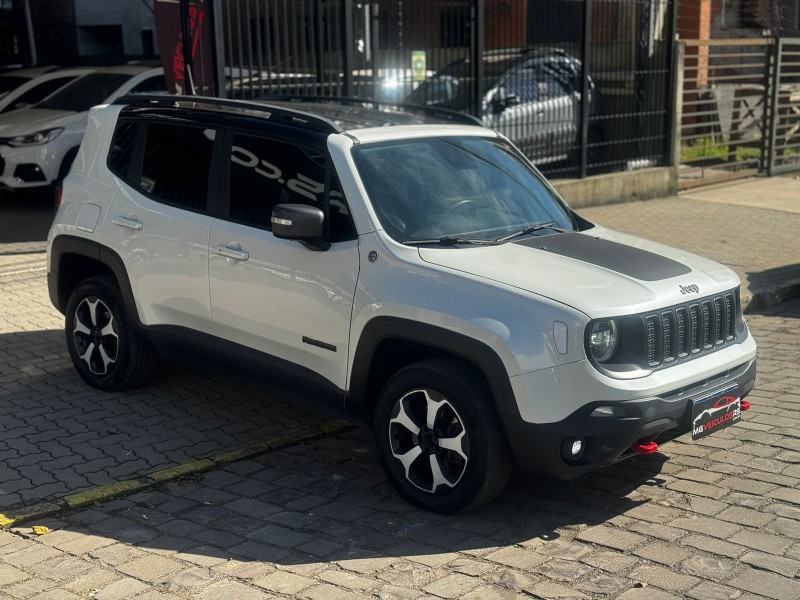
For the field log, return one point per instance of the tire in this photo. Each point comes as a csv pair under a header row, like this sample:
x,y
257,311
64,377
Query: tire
x,y
101,339
475,465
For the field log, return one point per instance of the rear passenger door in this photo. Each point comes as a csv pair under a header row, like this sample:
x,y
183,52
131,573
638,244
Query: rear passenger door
x,y
161,222
276,303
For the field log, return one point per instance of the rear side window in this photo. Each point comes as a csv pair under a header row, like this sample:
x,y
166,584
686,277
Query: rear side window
x,y
121,151
151,84
177,164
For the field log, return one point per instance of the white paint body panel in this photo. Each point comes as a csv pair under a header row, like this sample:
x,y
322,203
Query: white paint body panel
x,y
281,293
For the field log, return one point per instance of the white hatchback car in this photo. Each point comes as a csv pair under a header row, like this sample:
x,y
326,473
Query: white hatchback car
x,y
36,89
39,143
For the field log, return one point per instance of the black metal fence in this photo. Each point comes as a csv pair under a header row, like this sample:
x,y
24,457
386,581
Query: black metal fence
x,y
582,86
740,109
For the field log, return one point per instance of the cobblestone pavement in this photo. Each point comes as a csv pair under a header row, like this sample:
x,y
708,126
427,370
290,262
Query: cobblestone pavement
x,y
713,519
58,435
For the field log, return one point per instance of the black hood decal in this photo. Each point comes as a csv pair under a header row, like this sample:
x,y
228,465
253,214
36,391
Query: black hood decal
x,y
627,260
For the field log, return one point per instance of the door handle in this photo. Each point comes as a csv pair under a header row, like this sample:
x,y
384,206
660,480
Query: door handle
x,y
131,223
233,253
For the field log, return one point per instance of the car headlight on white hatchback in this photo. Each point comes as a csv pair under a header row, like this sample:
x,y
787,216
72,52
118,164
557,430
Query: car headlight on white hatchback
x,y
603,340
36,139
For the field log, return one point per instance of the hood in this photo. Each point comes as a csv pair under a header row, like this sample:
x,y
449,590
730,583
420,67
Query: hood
x,y
31,120
600,272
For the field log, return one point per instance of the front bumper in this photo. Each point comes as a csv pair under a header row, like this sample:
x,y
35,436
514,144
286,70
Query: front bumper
x,y
608,439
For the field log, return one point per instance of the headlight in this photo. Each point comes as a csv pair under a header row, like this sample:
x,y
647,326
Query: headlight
x,y
36,139
603,340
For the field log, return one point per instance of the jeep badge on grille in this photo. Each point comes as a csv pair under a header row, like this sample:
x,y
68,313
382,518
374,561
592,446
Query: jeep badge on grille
x,y
690,289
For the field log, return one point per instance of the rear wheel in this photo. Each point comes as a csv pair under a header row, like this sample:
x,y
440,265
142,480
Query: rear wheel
x,y
101,339
438,438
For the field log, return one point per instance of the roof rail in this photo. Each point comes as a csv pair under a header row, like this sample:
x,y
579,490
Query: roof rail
x,y
434,111
295,118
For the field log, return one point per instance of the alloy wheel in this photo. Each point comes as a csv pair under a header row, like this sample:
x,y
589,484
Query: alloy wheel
x,y
428,438
96,335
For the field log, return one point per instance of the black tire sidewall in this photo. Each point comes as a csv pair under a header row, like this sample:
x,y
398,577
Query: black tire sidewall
x,y
469,397
109,294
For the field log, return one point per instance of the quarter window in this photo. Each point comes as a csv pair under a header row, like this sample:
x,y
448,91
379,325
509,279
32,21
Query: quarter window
x,y
177,164
121,151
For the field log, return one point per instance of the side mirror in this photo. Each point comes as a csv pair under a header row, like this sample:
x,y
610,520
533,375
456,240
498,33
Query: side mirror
x,y
300,222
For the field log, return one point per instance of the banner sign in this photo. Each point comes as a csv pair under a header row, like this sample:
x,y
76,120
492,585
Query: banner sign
x,y
170,45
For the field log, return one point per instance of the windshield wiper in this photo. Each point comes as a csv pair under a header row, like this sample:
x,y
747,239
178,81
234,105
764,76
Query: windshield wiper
x,y
531,229
450,240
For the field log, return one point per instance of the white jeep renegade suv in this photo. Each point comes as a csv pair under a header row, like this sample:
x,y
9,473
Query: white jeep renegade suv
x,y
422,277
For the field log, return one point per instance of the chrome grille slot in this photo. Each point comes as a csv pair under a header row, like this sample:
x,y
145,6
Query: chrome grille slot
x,y
651,327
668,336
682,332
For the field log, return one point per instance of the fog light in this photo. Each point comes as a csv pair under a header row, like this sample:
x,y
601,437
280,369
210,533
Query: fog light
x,y
572,449
577,447
608,411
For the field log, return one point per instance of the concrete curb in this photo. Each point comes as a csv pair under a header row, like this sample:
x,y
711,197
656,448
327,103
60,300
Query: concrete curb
x,y
16,515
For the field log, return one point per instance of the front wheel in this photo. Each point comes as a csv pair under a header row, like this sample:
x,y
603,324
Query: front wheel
x,y
439,439
101,340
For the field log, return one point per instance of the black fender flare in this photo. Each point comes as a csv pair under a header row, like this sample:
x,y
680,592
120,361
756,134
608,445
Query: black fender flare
x,y
69,244
442,340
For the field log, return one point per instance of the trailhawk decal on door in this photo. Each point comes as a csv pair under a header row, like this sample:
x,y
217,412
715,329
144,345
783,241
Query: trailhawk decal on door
x,y
715,412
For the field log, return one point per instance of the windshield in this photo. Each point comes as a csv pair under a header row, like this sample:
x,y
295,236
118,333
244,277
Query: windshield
x,y
10,83
451,87
86,92
463,187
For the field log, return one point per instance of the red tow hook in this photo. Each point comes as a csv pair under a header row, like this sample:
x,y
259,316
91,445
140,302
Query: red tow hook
x,y
648,448
745,404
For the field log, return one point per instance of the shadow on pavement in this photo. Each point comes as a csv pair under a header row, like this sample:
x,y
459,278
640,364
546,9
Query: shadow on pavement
x,y
774,285
329,501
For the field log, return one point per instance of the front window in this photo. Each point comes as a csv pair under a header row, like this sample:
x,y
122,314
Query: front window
x,y
86,92
470,188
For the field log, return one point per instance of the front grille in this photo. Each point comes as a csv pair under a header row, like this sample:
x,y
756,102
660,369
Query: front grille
x,y
683,331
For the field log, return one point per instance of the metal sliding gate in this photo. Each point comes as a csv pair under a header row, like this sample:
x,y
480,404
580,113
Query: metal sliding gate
x,y
740,109
582,86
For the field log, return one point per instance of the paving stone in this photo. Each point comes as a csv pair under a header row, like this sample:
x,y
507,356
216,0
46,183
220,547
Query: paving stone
x,y
28,588
646,594
663,578
610,561
10,575
149,567
767,584
123,588
745,516
550,590
709,567
713,545
562,570
517,557
761,541
611,537
665,554
708,590
282,582
227,590
706,526
347,580
769,562
452,586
